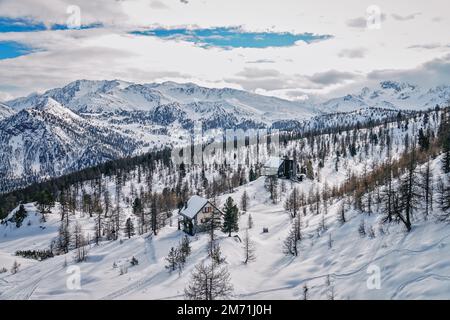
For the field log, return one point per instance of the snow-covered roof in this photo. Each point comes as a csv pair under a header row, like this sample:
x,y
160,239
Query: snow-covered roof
x,y
273,162
194,205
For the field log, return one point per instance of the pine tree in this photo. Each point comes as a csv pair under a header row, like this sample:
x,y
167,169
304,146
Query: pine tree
x,y
249,250
172,259
244,201
185,246
20,215
230,219
138,210
129,228
154,216
424,140
252,175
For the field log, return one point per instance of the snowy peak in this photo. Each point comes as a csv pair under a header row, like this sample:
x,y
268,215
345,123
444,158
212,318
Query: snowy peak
x,y
397,86
5,111
390,95
84,96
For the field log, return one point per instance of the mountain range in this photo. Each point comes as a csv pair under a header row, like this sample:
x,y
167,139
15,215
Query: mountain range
x,y
88,122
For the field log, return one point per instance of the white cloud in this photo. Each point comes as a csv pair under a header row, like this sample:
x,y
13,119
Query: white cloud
x,y
405,18
352,55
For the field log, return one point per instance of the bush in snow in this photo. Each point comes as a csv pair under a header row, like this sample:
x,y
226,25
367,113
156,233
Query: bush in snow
x,y
134,261
15,267
216,255
371,232
3,270
123,270
362,229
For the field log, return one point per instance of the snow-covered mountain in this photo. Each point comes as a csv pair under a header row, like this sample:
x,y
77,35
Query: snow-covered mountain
x,y
390,95
346,239
88,122
5,111
116,96
50,140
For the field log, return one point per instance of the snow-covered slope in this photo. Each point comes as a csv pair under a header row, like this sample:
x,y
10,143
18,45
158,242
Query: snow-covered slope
x,y
411,265
390,95
50,140
5,111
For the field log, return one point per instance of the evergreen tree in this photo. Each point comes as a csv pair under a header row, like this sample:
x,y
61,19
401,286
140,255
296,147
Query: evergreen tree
x,y
129,228
20,215
252,175
424,140
172,259
185,246
244,201
230,219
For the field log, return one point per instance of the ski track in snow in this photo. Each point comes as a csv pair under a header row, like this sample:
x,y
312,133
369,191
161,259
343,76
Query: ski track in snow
x,y
359,269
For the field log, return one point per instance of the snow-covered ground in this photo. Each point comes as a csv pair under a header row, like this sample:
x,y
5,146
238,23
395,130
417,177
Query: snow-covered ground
x,y
412,265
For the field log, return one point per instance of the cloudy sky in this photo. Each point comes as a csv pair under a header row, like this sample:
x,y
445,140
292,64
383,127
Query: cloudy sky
x,y
288,48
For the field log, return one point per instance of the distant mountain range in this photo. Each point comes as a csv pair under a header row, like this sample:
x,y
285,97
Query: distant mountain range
x,y
390,95
89,122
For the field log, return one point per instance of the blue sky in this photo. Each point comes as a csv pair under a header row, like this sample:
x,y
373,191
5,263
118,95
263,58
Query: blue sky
x,y
20,25
24,24
13,49
232,37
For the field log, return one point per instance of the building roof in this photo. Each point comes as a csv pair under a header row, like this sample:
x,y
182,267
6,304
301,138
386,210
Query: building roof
x,y
194,205
273,162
